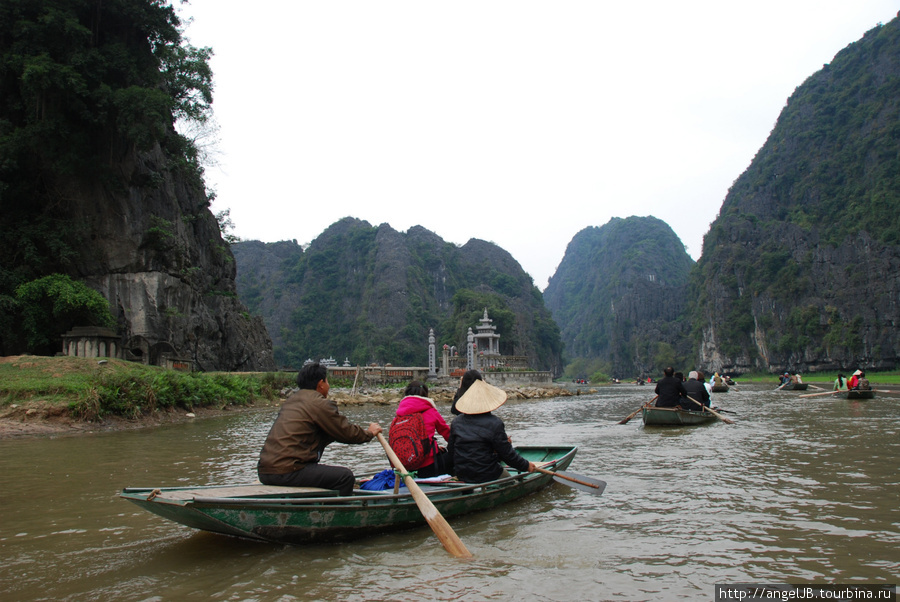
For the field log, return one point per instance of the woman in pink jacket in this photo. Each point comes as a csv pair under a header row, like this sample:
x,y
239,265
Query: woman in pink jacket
x,y
434,459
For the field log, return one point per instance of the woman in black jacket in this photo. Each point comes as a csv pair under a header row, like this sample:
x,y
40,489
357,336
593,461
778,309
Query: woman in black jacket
x,y
478,439
465,382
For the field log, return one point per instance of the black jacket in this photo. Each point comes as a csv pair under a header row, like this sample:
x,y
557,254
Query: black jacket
x,y
478,442
697,391
671,392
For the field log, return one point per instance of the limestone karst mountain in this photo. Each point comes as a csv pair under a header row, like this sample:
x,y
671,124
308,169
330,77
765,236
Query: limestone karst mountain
x,y
619,296
97,185
801,269
371,294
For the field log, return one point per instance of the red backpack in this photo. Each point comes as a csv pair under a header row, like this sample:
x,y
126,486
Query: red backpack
x,y
409,441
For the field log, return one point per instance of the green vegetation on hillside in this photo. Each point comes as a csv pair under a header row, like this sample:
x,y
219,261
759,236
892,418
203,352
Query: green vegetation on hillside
x,y
83,83
53,305
618,296
826,182
372,294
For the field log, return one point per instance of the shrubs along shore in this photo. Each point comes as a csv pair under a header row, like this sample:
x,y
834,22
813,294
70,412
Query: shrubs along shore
x,y
42,396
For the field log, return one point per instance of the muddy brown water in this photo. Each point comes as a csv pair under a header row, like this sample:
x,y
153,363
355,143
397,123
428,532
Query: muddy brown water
x,y
797,491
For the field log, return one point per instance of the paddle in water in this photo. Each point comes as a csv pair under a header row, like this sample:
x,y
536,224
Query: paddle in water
x,y
637,411
820,394
576,481
445,533
711,411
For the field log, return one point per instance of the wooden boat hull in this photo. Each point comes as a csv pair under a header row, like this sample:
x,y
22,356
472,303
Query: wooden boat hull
x,y
857,394
795,387
719,388
674,417
302,515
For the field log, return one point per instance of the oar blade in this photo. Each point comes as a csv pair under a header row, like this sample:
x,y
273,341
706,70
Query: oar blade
x,y
587,484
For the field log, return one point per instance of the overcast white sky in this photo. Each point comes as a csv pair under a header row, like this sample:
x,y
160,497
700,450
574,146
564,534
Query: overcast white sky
x,y
514,121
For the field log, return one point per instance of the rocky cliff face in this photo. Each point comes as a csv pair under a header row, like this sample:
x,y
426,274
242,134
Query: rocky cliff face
x,y
372,294
96,183
157,254
619,295
800,269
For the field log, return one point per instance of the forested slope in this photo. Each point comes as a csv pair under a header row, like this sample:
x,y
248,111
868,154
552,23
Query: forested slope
x,y
800,269
371,294
98,188
619,296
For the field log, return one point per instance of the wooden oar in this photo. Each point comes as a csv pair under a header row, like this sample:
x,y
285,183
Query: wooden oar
x,y
782,384
711,411
450,540
592,486
637,411
883,391
819,394
815,387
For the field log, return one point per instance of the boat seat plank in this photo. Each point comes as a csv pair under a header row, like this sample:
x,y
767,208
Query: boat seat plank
x,y
241,491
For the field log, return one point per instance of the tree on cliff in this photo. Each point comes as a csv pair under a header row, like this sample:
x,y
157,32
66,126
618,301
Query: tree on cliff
x,y
55,304
82,84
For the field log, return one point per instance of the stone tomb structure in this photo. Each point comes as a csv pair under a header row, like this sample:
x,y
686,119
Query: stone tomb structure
x,y
96,341
91,341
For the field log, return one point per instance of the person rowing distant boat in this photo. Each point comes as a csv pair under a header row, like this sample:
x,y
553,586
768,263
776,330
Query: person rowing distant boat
x,y
785,379
670,390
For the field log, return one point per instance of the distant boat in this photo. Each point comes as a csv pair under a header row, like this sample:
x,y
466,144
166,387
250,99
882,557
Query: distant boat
x,y
654,416
795,387
857,394
719,389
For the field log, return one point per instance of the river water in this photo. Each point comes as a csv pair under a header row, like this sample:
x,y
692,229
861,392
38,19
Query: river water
x,y
797,491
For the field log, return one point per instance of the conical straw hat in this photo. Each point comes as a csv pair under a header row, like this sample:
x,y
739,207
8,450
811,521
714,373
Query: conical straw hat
x,y
480,398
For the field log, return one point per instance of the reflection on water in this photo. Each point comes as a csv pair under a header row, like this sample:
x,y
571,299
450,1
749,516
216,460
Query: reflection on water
x,y
799,490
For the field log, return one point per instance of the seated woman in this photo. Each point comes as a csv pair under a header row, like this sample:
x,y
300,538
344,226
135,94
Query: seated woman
x,y
465,381
478,439
839,383
434,459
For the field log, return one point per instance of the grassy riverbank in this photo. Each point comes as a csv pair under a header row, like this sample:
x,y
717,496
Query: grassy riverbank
x,y
50,396
91,389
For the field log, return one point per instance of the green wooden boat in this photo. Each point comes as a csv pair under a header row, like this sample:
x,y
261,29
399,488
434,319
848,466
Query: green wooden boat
x,y
301,515
795,387
654,416
857,394
719,389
